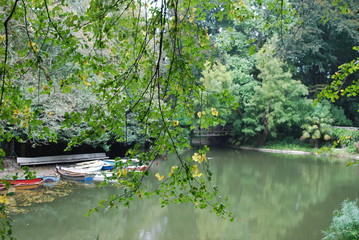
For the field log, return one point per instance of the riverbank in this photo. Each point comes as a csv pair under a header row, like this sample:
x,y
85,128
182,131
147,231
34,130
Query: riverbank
x,y
339,153
11,168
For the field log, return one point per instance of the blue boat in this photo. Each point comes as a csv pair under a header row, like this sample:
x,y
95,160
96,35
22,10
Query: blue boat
x,y
109,164
50,180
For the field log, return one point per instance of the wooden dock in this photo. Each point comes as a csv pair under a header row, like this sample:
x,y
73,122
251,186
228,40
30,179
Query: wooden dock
x,y
27,161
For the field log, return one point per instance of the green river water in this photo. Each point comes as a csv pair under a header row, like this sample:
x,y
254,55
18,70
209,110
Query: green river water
x,y
273,196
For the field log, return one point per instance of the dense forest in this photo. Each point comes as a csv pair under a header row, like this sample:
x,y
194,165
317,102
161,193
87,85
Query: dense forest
x,y
102,73
153,72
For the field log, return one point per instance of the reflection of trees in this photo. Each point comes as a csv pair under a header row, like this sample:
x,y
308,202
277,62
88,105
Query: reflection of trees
x,y
65,218
275,194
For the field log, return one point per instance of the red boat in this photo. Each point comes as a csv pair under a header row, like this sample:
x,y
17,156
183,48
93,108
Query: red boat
x,y
141,168
22,183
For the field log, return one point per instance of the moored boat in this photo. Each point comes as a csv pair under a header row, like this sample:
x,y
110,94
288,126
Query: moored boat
x,y
76,176
102,176
108,165
139,168
51,180
84,167
27,186
22,183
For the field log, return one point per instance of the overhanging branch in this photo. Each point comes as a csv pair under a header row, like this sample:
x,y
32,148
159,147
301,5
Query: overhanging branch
x,y
6,22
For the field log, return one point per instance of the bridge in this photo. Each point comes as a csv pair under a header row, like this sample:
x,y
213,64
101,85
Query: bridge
x,y
213,132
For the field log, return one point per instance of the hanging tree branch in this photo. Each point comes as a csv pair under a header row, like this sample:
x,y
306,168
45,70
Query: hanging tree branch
x,y
6,22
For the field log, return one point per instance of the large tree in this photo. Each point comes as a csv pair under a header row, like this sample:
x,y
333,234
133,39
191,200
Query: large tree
x,y
278,101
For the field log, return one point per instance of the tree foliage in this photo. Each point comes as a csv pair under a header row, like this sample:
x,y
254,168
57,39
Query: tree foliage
x,y
278,101
131,71
343,83
345,224
219,97
320,39
100,69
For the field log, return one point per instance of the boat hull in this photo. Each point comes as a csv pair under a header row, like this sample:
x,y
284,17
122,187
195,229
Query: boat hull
x,y
22,183
27,186
75,176
85,167
50,181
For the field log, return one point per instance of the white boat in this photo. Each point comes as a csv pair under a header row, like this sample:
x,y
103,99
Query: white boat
x,y
130,160
84,167
102,176
123,160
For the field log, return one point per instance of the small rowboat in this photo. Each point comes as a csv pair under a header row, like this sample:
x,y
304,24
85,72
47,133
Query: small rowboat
x,y
76,176
21,184
84,167
102,176
51,180
27,186
140,168
108,165
130,160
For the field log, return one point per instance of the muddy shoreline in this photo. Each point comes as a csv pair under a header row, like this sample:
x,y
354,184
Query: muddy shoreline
x,y
11,168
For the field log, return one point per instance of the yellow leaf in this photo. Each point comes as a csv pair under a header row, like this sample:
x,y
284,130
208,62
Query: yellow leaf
x,y
121,173
214,112
201,113
159,177
2,38
199,157
4,200
45,87
87,83
16,113
173,169
33,46
196,172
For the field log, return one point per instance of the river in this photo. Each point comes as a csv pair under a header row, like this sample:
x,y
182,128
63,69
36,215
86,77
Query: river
x,y
273,196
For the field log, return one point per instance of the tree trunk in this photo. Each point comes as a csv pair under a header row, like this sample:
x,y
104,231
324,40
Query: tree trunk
x,y
316,143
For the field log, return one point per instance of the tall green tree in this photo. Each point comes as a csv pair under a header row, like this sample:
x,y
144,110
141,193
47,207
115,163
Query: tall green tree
x,y
278,102
219,98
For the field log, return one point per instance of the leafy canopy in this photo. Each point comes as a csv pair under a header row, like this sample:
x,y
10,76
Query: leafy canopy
x,y
103,68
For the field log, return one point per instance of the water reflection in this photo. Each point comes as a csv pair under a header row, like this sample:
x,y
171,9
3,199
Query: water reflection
x,y
273,196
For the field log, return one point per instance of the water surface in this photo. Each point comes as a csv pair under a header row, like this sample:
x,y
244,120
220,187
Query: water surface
x,y
274,197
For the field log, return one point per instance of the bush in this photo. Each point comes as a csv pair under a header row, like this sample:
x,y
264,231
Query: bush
x,y
346,138
345,223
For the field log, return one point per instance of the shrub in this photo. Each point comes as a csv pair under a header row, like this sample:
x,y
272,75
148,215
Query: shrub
x,y
346,138
345,223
